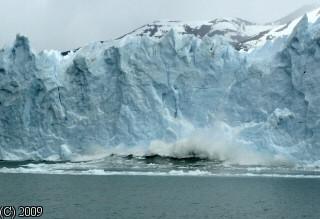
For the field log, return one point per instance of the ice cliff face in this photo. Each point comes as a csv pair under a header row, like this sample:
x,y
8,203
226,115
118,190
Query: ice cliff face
x,y
142,92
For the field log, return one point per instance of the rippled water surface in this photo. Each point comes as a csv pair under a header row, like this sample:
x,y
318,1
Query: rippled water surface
x,y
145,197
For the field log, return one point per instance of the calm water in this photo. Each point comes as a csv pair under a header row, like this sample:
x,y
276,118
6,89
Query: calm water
x,y
90,196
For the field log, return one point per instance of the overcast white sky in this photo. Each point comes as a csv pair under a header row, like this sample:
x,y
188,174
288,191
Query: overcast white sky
x,y
65,24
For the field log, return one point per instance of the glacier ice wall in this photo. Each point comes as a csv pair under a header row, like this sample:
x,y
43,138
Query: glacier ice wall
x,y
136,90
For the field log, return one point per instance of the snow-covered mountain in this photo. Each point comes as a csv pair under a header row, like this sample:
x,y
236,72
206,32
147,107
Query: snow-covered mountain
x,y
236,30
242,34
225,89
297,13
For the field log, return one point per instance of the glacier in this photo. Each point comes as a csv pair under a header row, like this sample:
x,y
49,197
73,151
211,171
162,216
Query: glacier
x,y
177,95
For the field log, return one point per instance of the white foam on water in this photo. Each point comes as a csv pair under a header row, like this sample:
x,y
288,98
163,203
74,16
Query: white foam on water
x,y
84,169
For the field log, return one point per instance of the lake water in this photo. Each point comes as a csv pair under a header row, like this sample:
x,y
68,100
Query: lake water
x,y
132,196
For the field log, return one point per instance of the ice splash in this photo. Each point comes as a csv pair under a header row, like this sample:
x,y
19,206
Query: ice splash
x,y
220,142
